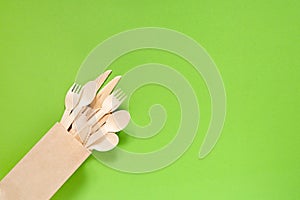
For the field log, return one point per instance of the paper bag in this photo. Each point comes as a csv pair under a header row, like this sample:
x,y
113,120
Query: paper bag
x,y
44,169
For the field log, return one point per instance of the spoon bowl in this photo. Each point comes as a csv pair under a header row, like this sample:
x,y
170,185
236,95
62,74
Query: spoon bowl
x,y
117,121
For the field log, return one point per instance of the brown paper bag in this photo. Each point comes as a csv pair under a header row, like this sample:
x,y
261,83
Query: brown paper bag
x,y
45,168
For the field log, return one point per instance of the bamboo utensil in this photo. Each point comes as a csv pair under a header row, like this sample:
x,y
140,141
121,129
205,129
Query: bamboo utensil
x,y
89,91
106,143
96,102
74,93
71,100
114,123
93,116
103,93
110,104
81,120
100,123
101,79
86,132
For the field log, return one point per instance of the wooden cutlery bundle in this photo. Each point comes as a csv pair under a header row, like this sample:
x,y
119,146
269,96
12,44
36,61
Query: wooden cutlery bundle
x,y
90,122
90,117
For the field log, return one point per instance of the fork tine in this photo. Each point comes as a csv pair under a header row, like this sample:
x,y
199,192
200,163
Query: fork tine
x,y
79,89
121,94
122,99
73,87
116,92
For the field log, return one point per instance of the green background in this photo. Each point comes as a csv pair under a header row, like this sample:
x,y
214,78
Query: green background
x,y
255,45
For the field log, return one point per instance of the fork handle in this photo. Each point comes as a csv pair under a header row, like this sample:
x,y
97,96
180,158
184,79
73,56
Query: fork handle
x,y
70,119
97,116
65,115
93,138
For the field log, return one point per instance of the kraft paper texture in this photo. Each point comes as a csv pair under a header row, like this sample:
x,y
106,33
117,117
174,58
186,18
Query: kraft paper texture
x,y
45,168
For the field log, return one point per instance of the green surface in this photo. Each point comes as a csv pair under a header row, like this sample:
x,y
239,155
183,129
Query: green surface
x,y
255,45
